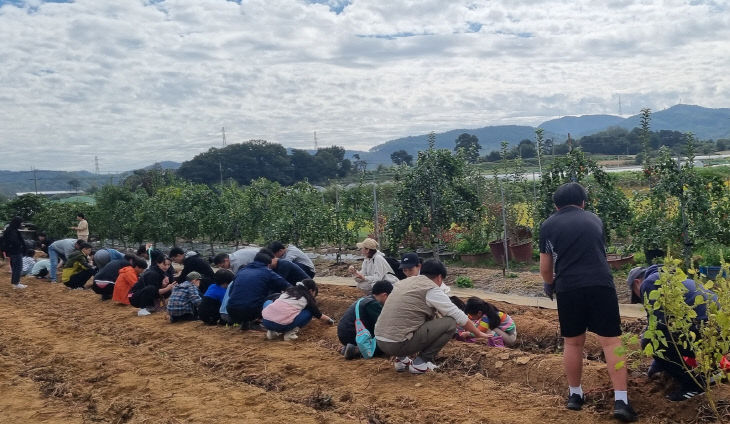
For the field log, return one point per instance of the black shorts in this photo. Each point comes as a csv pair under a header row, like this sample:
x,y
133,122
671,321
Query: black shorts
x,y
591,308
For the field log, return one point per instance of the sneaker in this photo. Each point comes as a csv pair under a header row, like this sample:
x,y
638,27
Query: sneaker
x,y
575,402
419,366
19,286
143,312
683,394
351,351
624,412
291,334
53,281
401,363
271,334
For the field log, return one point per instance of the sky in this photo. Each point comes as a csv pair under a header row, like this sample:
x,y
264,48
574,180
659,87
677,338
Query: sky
x,y
133,82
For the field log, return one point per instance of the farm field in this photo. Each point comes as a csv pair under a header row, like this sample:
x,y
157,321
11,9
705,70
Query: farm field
x,y
66,357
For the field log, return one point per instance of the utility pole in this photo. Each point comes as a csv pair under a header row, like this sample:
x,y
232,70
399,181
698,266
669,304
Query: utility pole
x,y
96,165
316,147
35,179
375,208
220,164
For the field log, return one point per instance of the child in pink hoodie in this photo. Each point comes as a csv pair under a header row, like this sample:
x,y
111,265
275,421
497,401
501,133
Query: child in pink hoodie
x,y
292,311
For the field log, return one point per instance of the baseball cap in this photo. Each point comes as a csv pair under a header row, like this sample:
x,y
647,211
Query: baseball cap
x,y
194,276
409,260
637,272
368,243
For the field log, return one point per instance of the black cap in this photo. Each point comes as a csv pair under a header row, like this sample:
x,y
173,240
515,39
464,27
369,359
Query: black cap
x,y
409,260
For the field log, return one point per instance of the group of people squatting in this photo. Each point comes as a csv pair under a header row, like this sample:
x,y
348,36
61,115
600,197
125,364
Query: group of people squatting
x,y
406,312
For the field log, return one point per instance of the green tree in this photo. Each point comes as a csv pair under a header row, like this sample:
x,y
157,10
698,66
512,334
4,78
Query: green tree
x,y
25,206
113,212
468,144
401,157
302,216
74,184
438,191
57,218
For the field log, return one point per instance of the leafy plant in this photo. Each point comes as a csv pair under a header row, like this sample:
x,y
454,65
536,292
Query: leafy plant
x,y
464,282
709,340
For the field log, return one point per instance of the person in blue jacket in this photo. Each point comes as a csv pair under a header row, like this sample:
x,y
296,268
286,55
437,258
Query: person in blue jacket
x,y
641,282
248,291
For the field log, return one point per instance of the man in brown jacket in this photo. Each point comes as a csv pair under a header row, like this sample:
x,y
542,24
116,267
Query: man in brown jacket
x,y
408,324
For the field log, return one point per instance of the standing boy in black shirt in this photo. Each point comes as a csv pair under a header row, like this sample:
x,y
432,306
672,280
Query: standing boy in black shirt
x,y
574,267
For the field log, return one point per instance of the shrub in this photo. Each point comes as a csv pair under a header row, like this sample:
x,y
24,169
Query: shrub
x,y
464,282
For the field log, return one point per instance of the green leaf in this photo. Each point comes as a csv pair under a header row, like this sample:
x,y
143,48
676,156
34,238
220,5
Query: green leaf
x,y
649,350
654,295
619,365
699,300
709,285
620,351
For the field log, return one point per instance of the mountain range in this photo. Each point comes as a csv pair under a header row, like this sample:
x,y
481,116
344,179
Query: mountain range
x,y
705,123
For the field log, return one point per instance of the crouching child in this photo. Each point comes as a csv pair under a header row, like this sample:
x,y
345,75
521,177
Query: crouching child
x,y
292,311
185,299
209,310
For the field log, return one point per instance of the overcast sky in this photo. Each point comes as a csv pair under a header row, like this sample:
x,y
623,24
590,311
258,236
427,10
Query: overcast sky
x,y
139,81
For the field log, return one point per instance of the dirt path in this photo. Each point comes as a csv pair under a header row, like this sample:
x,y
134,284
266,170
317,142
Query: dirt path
x,y
66,357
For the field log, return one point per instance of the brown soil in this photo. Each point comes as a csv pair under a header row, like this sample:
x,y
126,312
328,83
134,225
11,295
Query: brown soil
x,y
523,283
66,357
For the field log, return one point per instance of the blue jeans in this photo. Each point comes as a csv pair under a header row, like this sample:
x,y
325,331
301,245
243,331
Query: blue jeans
x,y
53,256
299,321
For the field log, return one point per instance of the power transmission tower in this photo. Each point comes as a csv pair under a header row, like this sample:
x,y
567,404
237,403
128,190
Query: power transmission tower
x,y
315,142
223,131
619,105
96,164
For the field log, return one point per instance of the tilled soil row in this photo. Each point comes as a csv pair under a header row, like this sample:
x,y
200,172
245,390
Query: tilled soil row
x,y
89,361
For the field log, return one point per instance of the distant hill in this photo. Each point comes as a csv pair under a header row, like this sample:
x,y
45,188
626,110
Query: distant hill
x,y
167,164
578,126
12,182
704,122
489,139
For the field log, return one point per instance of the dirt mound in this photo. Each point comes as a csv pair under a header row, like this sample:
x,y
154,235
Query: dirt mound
x,y
67,357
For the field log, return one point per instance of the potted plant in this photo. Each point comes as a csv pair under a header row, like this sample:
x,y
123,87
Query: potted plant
x,y
472,244
617,258
710,258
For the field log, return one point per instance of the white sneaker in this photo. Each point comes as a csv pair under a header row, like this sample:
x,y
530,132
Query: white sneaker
x,y
271,334
401,364
422,367
19,286
143,312
291,334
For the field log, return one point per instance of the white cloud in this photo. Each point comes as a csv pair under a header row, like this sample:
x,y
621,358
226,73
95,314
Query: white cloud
x,y
139,81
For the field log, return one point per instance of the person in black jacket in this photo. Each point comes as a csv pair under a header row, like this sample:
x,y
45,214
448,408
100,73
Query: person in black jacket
x,y
153,284
13,246
192,261
370,307
106,277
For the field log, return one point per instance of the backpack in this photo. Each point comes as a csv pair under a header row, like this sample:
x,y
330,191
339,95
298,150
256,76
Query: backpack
x,y
395,265
365,341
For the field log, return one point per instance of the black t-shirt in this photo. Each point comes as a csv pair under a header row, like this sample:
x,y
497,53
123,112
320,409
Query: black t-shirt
x,y
574,237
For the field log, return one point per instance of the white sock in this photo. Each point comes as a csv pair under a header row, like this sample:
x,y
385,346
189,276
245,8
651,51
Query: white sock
x,y
621,395
576,390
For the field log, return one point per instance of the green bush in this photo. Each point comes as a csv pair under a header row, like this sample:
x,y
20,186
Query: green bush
x,y
464,282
